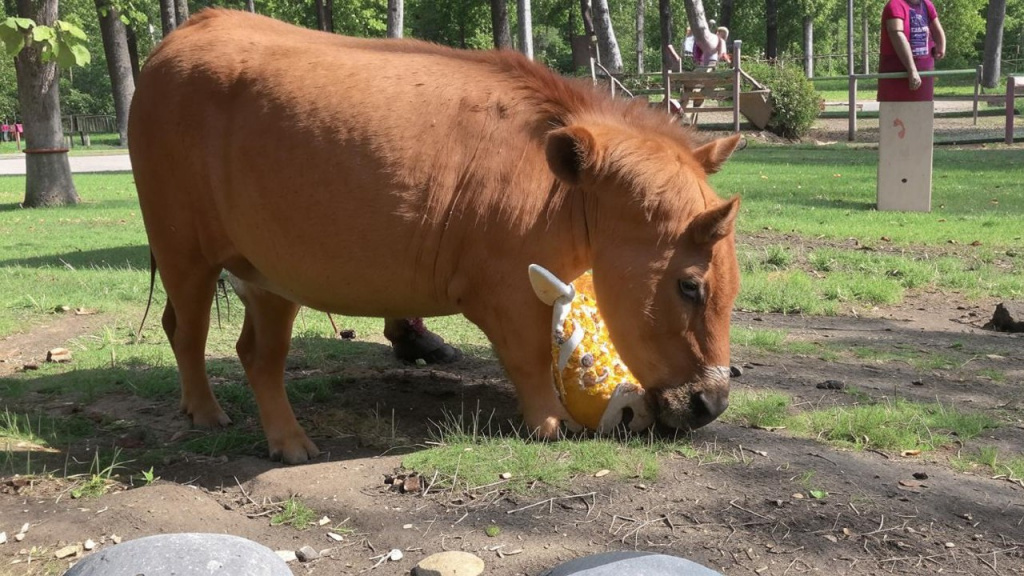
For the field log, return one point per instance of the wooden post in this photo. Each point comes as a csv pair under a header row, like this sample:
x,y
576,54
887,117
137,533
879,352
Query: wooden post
x,y
905,146
977,87
1013,83
17,134
736,78
852,132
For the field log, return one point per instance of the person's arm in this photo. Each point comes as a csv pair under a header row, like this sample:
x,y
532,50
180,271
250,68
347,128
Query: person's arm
x,y
902,46
939,35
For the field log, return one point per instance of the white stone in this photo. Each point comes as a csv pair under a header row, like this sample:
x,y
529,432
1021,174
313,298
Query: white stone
x,y
286,555
451,563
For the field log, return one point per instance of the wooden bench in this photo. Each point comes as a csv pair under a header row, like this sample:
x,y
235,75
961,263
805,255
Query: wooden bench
x,y
85,125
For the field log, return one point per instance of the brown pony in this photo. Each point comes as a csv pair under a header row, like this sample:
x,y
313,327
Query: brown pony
x,y
397,178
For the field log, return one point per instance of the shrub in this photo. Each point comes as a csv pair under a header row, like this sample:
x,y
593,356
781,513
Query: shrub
x,y
795,101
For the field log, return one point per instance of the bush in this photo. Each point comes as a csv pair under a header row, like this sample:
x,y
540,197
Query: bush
x,y
795,101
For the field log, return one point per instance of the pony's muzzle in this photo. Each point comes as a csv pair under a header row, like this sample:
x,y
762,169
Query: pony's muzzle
x,y
690,407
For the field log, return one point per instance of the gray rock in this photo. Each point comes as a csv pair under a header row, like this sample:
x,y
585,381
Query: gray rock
x,y
306,554
452,563
632,564
183,555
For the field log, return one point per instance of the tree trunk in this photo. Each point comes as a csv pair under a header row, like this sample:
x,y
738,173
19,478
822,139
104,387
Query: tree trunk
x,y
329,13
168,21
525,28
993,43
119,65
48,174
665,23
396,18
608,46
771,17
180,11
725,14
865,53
133,51
640,7
499,25
250,5
809,46
321,16
702,35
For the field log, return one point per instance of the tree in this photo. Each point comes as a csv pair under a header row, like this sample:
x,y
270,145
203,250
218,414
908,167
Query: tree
x,y
665,23
119,64
993,43
180,11
39,43
499,25
771,19
525,28
608,46
702,35
168,21
324,15
640,7
396,18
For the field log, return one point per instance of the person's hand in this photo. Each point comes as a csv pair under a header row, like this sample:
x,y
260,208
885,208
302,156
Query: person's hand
x,y
940,53
915,80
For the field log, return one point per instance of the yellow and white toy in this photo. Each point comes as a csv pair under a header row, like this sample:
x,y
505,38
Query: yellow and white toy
x,y
593,383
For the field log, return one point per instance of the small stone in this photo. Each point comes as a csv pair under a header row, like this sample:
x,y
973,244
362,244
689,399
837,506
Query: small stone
x,y
347,334
601,473
832,385
451,563
918,382
505,475
920,475
3,537
324,521
798,496
66,551
421,362
19,536
286,555
306,554
407,527
58,355
950,545
89,544
831,538
30,366
24,528
735,371
335,537
395,555
115,538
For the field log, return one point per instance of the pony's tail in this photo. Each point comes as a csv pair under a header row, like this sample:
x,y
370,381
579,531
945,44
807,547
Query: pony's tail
x,y
149,301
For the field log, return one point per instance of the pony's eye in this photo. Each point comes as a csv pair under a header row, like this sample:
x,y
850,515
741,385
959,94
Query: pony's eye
x,y
690,290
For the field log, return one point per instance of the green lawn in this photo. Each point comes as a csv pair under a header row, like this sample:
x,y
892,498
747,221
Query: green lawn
x,y
810,240
99,143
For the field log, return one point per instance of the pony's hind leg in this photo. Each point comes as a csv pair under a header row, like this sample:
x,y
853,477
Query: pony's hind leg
x,y
186,322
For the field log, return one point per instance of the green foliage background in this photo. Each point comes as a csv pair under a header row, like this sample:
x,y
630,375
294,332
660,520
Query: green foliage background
x,y
467,24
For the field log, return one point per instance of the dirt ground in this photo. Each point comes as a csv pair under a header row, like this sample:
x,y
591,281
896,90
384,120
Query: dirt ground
x,y
743,507
748,512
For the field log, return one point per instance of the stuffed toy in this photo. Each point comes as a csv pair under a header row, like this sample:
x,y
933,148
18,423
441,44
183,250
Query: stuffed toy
x,y
592,382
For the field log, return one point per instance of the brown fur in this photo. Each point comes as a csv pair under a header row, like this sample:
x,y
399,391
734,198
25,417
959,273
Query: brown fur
x,y
398,178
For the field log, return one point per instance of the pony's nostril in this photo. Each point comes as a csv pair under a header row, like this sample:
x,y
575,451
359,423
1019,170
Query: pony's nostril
x,y
709,405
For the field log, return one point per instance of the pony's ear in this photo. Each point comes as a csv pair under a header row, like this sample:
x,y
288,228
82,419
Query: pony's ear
x,y
547,286
713,154
717,223
569,151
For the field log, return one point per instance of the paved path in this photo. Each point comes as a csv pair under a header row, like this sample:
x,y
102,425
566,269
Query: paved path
x,y
14,164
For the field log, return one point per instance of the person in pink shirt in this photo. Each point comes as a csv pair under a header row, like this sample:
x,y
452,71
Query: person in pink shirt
x,y
912,39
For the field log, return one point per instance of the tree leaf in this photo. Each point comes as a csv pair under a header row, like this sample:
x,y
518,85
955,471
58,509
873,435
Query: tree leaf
x,y
71,30
65,57
43,34
818,494
81,54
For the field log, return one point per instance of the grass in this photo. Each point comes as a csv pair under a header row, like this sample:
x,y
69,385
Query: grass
x,y
295,514
989,459
895,425
821,249
468,453
100,144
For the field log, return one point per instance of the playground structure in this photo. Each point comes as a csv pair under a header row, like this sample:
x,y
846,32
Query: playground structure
x,y
1014,87
696,90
